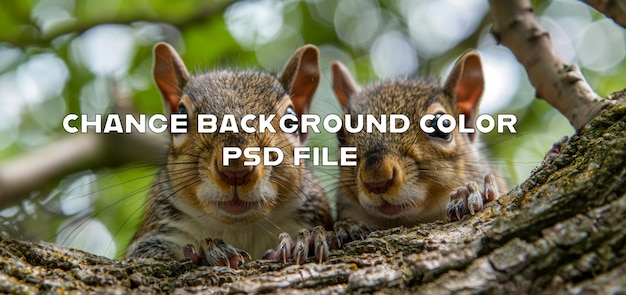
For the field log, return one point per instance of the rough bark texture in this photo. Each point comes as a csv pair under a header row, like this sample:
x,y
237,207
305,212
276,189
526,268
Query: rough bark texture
x,y
561,231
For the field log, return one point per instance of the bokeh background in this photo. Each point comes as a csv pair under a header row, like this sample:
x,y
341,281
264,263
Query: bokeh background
x,y
67,56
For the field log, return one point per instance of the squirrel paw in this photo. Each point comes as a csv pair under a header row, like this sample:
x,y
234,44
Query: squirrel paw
x,y
347,231
319,238
308,243
284,249
469,199
301,249
316,243
214,252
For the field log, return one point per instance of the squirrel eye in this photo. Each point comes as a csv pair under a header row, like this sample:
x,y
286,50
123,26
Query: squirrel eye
x,y
290,123
438,133
182,109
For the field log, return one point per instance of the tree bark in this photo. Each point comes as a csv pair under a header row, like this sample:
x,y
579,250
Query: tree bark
x,y
613,9
36,169
561,231
561,85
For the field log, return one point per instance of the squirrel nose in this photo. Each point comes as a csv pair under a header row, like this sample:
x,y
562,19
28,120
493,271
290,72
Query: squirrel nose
x,y
379,187
378,179
234,175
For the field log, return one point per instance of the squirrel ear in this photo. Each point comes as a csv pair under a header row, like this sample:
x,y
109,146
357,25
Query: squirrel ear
x,y
465,85
343,84
301,76
170,75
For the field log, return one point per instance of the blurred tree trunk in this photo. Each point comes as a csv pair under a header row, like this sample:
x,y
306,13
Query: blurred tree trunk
x,y
561,231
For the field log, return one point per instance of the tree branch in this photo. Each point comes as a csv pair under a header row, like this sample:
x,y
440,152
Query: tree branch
x,y
40,168
613,9
37,169
561,85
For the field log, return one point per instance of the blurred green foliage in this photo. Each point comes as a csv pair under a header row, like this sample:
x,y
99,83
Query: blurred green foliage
x,y
63,56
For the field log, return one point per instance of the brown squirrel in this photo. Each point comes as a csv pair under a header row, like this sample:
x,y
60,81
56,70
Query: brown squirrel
x,y
198,208
404,179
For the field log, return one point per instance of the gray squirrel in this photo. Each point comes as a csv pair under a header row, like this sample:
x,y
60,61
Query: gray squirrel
x,y
200,209
409,178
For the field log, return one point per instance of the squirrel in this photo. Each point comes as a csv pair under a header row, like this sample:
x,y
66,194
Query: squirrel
x,y
414,177
404,179
216,214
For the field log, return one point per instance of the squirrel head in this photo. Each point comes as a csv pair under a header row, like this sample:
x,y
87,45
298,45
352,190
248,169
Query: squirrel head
x,y
234,193
406,178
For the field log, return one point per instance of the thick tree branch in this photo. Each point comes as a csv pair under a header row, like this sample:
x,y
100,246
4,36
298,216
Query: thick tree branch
x,y
561,85
43,167
613,9
37,169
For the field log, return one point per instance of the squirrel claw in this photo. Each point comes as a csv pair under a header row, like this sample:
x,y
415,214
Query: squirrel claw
x,y
285,247
308,243
469,199
457,204
320,243
317,243
301,251
491,188
284,250
474,200
189,251
348,231
214,252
